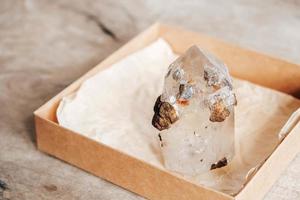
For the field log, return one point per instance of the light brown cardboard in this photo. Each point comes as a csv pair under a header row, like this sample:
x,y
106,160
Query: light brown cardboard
x,y
147,180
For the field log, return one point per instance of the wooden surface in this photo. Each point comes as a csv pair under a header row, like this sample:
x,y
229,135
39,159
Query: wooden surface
x,y
45,45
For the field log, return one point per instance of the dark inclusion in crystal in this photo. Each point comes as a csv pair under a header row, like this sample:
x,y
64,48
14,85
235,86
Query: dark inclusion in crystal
x,y
219,164
164,115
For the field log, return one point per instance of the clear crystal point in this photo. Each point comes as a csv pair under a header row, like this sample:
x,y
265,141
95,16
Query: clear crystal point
x,y
195,114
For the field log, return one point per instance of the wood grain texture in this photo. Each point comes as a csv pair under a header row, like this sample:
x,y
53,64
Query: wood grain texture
x,y
45,45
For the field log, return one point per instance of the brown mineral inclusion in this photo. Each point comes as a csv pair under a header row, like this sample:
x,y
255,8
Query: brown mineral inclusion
x,y
219,164
164,115
219,112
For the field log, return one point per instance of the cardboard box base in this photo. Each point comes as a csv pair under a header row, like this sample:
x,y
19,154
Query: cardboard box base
x,y
150,181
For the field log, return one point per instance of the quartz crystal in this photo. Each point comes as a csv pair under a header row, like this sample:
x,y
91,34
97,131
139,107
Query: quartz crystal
x,y
195,114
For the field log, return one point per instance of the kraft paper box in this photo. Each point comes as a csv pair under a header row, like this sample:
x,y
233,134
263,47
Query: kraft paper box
x,y
148,180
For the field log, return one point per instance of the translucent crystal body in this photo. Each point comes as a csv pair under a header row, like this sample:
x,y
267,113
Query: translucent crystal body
x,y
195,114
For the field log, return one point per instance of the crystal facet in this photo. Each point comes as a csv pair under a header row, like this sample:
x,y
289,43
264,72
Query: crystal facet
x,y
195,114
